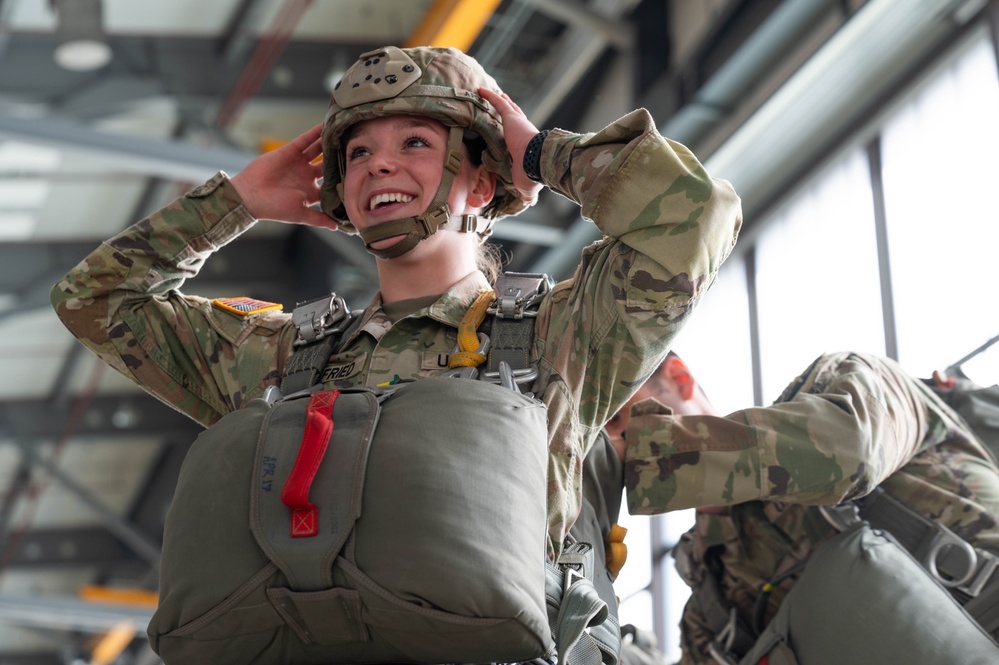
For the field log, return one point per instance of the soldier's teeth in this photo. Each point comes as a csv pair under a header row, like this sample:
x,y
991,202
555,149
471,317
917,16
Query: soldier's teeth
x,y
392,197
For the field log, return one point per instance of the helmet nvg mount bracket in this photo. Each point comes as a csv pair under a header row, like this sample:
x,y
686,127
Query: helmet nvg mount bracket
x,y
441,83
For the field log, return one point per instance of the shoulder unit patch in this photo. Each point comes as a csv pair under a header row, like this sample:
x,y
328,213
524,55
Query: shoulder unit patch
x,y
244,306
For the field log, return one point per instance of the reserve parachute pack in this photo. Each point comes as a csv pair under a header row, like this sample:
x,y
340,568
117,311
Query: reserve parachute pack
x,y
398,524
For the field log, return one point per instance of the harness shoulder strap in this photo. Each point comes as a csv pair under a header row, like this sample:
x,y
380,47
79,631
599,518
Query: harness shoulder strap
x,y
322,325
585,630
518,296
968,572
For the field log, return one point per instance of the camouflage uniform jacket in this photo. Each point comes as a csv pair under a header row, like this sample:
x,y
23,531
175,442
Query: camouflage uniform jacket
x,y
849,423
669,226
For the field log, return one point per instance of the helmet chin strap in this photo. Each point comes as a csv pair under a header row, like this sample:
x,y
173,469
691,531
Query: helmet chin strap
x,y
437,216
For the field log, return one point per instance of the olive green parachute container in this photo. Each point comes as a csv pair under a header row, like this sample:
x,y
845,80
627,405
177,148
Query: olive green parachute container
x,y
429,521
864,599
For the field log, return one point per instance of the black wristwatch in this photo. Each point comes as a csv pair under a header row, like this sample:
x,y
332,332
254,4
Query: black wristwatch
x,y
532,156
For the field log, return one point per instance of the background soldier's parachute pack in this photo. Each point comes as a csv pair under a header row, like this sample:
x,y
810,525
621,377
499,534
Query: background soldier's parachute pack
x,y
864,599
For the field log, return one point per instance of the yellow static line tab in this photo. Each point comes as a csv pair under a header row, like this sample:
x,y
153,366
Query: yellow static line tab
x,y
113,643
119,596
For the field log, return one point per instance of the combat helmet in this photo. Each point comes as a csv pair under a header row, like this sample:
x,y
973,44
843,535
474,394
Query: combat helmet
x,y
441,83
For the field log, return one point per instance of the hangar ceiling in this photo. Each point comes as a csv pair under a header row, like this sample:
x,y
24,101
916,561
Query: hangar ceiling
x,y
87,462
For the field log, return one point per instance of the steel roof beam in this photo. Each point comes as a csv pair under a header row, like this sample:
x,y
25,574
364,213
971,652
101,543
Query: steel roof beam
x,y
72,548
590,18
136,540
143,415
69,613
173,161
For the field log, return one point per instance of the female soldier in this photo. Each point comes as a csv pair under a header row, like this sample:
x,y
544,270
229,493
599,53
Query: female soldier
x,y
397,169
391,171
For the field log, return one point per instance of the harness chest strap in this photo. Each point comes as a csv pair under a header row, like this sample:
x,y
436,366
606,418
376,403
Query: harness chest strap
x,y
324,323
586,631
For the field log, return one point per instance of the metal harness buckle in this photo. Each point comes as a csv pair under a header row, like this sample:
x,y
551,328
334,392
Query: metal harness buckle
x,y
841,516
520,295
319,318
468,372
519,376
720,648
943,538
989,563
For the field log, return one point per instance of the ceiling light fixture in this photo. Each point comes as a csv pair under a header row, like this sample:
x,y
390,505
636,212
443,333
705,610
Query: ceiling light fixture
x,y
81,42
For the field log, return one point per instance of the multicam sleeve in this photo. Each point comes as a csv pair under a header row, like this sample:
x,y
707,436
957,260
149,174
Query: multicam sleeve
x,y
668,227
122,303
840,429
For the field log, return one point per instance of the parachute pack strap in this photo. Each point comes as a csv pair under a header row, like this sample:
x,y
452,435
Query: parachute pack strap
x,y
518,296
306,365
971,573
511,343
322,325
336,488
584,630
468,354
984,608
436,216
732,636
983,347
295,494
607,638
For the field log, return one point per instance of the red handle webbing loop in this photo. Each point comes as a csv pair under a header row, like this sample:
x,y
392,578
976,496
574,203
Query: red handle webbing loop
x,y
295,493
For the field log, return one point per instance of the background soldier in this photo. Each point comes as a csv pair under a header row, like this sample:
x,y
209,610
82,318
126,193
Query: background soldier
x,y
848,424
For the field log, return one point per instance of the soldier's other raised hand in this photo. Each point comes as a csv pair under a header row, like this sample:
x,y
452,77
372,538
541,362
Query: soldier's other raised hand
x,y
518,130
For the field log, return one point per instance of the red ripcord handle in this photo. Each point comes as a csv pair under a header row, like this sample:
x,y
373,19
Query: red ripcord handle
x,y
295,493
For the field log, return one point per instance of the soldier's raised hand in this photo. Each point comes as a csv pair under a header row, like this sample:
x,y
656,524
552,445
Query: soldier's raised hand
x,y
281,184
518,130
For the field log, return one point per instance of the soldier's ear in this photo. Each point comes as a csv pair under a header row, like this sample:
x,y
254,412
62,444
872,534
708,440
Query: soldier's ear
x,y
678,372
483,187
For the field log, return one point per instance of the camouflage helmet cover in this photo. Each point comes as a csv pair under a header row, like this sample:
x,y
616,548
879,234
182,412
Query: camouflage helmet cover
x,y
441,83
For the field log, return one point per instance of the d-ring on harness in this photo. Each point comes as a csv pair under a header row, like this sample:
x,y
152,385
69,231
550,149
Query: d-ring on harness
x,y
472,346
